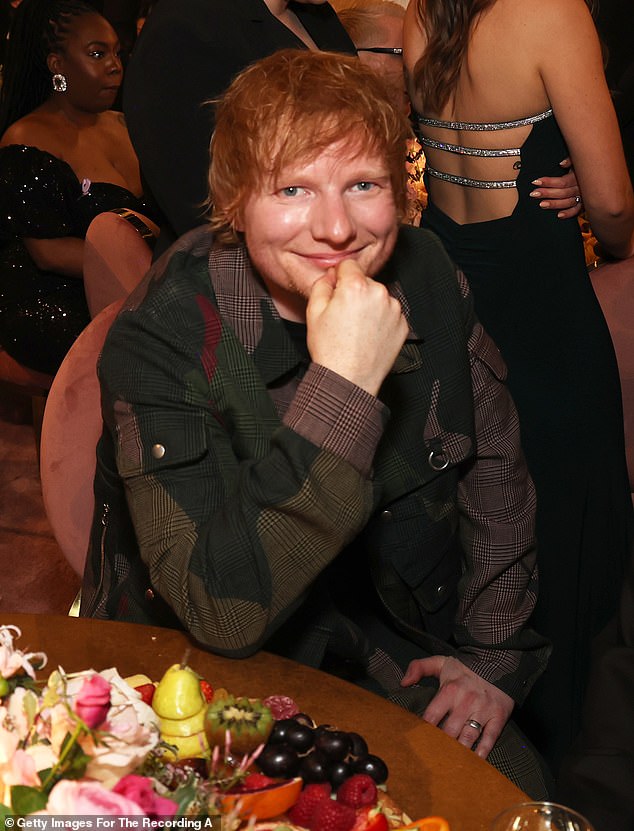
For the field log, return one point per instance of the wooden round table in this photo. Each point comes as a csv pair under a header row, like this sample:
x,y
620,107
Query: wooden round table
x,y
430,773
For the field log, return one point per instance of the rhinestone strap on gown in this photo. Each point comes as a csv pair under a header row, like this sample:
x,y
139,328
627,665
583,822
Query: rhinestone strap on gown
x,y
532,293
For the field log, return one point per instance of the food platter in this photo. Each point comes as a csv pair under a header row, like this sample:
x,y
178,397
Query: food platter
x,y
429,773
178,748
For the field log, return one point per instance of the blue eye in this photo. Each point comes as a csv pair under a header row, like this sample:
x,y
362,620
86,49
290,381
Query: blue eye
x,y
291,190
364,186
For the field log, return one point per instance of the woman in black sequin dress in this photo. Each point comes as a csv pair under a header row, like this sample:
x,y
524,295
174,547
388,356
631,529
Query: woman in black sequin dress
x,y
65,156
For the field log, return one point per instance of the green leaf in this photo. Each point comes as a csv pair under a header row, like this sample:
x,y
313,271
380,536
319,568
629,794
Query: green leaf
x,y
25,800
30,706
73,767
185,794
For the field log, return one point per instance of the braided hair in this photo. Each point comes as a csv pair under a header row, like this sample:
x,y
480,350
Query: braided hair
x,y
38,28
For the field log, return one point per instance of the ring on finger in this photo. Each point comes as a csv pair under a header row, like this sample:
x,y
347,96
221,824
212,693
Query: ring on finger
x,y
577,199
471,722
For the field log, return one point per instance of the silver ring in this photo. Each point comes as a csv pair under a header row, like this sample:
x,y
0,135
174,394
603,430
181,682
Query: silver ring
x,y
471,722
577,199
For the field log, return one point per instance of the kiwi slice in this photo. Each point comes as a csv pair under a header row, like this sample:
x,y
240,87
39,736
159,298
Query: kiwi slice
x,y
248,721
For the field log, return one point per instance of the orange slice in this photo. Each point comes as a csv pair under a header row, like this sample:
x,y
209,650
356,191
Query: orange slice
x,y
427,824
265,803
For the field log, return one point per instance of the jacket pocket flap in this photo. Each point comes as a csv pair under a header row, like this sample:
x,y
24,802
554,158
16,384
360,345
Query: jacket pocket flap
x,y
157,440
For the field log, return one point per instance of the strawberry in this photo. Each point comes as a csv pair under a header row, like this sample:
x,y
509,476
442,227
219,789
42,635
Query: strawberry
x,y
207,690
147,692
302,811
330,815
256,781
358,791
370,819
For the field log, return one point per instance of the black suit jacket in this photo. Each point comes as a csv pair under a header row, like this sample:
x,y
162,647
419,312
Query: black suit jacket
x,y
188,53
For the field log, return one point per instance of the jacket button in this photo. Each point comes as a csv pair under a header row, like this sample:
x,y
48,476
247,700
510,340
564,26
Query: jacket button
x,y
149,594
437,460
158,451
386,516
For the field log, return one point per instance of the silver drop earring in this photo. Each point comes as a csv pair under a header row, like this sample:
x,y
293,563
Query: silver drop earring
x,y
59,83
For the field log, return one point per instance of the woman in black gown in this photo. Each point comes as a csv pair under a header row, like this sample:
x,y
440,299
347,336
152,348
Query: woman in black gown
x,y
65,156
503,91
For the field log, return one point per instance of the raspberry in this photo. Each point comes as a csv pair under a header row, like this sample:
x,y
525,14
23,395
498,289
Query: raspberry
x,y
309,798
358,791
281,706
207,690
256,781
332,816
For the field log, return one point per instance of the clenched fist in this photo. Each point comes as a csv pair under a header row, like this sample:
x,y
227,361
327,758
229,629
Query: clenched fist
x,y
355,328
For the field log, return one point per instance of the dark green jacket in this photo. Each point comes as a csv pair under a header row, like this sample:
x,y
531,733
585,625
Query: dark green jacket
x,y
277,505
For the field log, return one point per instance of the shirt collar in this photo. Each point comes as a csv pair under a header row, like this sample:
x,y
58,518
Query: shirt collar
x,y
245,305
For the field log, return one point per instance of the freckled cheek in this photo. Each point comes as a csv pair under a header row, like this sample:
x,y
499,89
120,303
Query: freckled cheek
x,y
380,220
289,220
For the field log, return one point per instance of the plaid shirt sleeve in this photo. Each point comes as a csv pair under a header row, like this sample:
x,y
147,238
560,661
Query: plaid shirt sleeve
x,y
497,505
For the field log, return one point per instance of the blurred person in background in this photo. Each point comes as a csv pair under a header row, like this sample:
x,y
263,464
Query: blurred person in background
x,y
496,108
187,54
376,29
65,156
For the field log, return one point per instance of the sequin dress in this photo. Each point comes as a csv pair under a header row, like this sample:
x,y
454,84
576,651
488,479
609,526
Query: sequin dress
x,y
41,313
533,295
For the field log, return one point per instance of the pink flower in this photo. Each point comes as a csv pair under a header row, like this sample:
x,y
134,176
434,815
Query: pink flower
x,y
139,789
93,701
76,798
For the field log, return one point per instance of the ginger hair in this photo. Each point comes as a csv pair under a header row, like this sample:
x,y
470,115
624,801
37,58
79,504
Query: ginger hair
x,y
290,107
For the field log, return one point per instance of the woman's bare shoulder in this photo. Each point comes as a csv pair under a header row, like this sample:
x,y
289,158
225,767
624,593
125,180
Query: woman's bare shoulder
x,y
35,129
113,123
544,21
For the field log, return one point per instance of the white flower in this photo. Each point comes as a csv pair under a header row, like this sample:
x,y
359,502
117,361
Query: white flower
x,y
13,660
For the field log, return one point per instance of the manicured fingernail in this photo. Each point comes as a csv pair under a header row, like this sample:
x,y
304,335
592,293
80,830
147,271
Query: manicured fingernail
x,y
544,204
560,215
536,193
536,182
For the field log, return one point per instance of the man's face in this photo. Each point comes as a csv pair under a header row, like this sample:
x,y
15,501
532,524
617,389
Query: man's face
x,y
314,215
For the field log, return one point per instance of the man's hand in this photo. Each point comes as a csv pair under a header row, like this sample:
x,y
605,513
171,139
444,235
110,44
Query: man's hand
x,y
559,193
355,328
462,697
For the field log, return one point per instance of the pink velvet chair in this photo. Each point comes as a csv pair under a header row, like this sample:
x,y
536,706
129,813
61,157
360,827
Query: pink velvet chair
x,y
70,431
614,287
117,255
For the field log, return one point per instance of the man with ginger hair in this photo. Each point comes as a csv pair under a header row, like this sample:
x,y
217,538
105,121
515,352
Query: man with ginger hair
x,y
308,444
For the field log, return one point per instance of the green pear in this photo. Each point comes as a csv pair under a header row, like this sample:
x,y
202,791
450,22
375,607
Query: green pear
x,y
178,694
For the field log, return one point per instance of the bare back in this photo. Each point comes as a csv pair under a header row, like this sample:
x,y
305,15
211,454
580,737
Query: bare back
x,y
522,60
